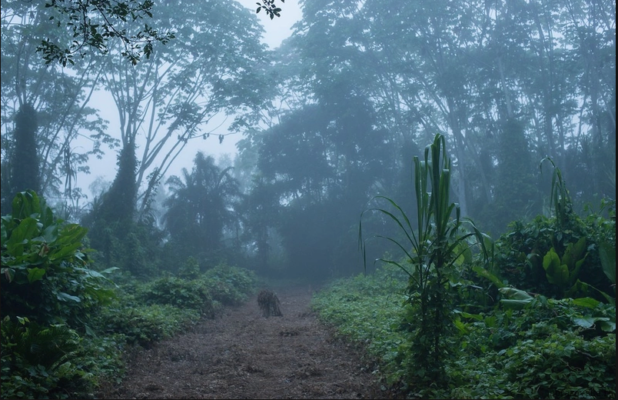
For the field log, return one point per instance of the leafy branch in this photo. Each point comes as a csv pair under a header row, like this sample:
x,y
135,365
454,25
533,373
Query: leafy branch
x,y
269,7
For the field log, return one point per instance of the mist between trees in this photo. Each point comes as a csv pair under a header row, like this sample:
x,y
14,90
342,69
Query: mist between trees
x,y
331,118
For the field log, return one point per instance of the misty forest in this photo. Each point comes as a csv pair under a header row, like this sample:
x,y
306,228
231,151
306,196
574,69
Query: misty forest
x,y
421,205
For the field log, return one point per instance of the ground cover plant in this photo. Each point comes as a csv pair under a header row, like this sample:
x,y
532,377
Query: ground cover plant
x,y
555,342
65,326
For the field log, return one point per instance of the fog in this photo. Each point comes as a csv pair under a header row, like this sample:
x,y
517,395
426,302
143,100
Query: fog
x,y
259,143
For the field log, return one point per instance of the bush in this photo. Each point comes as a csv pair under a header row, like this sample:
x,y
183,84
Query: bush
x,y
45,275
179,293
49,297
520,251
241,279
547,363
144,325
53,361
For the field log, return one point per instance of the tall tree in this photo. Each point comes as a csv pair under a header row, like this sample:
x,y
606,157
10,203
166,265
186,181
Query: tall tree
x,y
212,69
24,162
200,206
60,97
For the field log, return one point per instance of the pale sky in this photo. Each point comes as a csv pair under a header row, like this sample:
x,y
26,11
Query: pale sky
x,y
276,30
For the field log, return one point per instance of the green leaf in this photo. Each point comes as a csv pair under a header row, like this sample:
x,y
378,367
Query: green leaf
x,y
585,322
477,317
515,294
515,304
482,272
607,326
67,297
557,273
574,252
25,204
587,302
607,254
35,274
24,231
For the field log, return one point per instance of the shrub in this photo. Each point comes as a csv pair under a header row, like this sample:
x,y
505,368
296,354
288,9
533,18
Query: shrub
x,y
41,361
144,325
48,296
241,279
179,293
45,275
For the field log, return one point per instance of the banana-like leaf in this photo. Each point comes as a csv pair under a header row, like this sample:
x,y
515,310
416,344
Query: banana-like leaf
x,y
574,252
515,299
515,294
556,272
607,253
482,272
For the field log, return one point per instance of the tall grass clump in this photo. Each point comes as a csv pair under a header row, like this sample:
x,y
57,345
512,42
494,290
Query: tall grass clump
x,y
432,253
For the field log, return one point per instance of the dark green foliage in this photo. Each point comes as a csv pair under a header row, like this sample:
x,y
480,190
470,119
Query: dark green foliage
x,y
190,269
39,361
24,160
45,274
49,297
516,196
520,252
118,204
133,247
120,240
432,252
200,207
166,305
229,285
563,365
179,293
549,349
536,353
145,325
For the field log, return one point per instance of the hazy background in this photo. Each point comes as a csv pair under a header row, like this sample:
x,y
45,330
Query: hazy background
x,y
276,30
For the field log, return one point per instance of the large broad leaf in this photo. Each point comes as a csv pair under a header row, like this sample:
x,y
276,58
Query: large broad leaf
x,y
574,252
515,298
575,273
62,296
556,272
607,253
27,229
515,294
25,204
587,302
583,287
585,322
482,272
35,274
607,326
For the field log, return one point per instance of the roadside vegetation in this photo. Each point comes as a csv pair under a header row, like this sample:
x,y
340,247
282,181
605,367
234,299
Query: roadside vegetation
x,y
531,315
66,326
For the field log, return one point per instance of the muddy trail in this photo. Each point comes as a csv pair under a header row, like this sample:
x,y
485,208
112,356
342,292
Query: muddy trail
x,y
242,355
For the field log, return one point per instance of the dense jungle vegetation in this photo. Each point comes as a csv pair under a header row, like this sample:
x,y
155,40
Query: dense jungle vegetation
x,y
467,146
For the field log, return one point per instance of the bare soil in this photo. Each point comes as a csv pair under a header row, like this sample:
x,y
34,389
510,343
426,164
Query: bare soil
x,y
242,355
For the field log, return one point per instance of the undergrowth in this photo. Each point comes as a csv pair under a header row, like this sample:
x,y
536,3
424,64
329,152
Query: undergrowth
x,y
65,326
538,352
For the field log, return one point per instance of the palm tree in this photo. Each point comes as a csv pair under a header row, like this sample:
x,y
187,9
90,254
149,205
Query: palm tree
x,y
201,206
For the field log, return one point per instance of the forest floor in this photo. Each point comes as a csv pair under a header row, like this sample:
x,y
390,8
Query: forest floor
x,y
242,355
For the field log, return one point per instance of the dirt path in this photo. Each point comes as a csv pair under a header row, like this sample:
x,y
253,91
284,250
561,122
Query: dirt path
x,y
242,355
